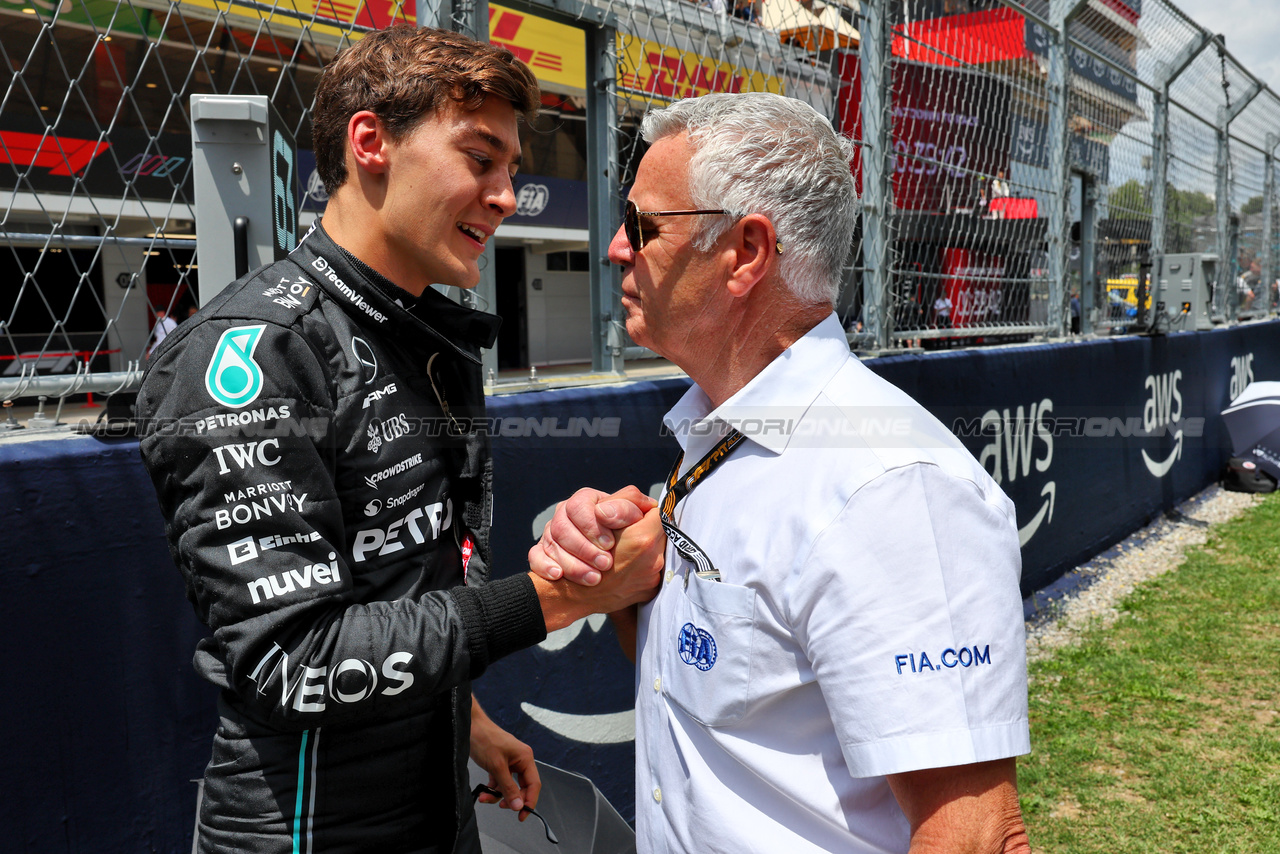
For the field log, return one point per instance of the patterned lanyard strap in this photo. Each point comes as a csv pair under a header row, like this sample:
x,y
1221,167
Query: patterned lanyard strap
x,y
678,488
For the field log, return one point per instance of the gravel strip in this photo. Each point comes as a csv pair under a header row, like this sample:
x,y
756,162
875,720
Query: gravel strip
x,y
1112,575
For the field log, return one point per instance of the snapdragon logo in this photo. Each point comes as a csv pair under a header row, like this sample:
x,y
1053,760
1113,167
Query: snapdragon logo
x,y
385,541
1020,440
234,378
1163,409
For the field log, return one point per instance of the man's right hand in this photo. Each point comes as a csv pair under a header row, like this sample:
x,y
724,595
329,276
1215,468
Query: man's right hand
x,y
576,543
634,578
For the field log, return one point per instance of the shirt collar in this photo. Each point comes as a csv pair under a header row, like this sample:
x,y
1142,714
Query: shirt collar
x,y
768,408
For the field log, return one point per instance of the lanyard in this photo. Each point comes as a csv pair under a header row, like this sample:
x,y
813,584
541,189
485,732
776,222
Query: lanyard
x,y
678,488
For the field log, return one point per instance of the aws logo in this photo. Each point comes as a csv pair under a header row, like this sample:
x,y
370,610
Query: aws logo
x,y
1162,412
1241,374
1021,440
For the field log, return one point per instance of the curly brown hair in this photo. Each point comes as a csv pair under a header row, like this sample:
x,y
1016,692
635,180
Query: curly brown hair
x,y
402,74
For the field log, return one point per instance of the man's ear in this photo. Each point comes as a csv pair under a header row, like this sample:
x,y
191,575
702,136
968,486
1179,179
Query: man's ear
x,y
755,253
369,141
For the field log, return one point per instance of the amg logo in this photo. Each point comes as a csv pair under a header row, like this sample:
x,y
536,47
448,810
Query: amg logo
x,y
286,582
379,394
387,541
254,510
322,266
247,455
350,681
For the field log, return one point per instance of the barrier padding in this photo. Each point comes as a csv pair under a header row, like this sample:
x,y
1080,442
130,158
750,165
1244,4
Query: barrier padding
x,y
109,725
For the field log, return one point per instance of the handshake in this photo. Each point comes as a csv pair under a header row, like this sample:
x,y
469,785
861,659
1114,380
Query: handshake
x,y
599,554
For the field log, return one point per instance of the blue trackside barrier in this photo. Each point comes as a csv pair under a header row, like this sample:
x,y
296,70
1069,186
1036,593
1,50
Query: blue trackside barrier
x,y
109,724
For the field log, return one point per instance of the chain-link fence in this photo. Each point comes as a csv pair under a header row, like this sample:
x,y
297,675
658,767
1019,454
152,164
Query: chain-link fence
x,y
1025,167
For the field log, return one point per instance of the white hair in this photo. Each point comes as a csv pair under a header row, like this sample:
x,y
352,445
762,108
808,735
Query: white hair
x,y
763,153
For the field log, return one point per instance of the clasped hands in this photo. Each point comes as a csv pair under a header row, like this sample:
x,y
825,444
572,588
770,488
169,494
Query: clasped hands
x,y
612,543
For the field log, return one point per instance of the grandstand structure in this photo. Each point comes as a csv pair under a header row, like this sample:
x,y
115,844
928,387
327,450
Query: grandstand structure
x,y
1012,154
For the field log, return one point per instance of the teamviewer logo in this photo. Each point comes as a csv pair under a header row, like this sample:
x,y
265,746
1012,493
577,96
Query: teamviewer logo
x,y
242,551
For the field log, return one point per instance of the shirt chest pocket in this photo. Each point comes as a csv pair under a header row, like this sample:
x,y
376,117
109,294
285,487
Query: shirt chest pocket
x,y
708,650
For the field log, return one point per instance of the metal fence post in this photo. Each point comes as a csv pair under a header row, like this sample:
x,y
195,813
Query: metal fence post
x,y
470,17
1060,14
1226,297
1268,222
877,194
603,192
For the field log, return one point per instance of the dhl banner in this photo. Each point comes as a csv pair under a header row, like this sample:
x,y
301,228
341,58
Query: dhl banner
x,y
331,17
668,72
555,52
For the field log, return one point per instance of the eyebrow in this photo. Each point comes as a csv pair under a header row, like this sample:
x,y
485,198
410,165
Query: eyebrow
x,y
498,145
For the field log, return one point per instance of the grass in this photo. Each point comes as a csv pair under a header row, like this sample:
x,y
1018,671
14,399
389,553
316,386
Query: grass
x,y
1161,733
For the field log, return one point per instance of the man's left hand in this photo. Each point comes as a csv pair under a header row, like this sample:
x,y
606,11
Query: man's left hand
x,y
965,809
505,757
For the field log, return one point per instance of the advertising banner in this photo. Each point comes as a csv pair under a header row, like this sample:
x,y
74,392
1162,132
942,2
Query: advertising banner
x,y
974,286
657,69
950,126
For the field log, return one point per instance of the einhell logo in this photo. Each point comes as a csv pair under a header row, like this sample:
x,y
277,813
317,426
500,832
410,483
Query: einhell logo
x,y
504,30
61,155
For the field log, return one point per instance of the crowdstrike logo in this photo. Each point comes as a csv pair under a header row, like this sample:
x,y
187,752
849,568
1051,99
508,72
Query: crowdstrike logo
x,y
391,471
322,267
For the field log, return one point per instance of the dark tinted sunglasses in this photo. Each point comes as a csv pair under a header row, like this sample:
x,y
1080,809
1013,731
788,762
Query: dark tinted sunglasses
x,y
631,222
482,789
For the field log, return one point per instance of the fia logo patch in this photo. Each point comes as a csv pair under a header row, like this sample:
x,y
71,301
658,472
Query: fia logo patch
x,y
697,647
234,378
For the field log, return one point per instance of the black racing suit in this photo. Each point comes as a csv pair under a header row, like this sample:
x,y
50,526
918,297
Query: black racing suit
x,y
321,461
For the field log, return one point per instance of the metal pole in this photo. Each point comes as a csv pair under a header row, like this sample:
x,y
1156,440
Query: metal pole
x,y
1159,184
1263,300
1089,290
877,192
1060,14
602,194
1222,204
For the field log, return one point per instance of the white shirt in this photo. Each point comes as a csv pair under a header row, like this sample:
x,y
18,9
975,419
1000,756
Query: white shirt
x,y
869,621
163,327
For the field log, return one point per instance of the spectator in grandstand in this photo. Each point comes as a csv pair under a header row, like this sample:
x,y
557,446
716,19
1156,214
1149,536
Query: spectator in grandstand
x,y
999,186
836,661
315,438
163,326
748,10
1075,312
942,311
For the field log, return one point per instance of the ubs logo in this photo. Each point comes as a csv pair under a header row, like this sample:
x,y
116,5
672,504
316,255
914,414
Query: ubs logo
x,y
1020,440
1163,410
532,199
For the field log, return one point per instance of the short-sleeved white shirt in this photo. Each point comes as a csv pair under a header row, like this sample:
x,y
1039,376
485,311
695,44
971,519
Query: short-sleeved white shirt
x,y
869,620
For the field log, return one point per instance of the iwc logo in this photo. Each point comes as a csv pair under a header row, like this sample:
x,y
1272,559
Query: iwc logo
x,y
697,647
233,378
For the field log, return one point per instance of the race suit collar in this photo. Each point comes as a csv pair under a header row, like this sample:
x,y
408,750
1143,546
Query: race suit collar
x,y
370,298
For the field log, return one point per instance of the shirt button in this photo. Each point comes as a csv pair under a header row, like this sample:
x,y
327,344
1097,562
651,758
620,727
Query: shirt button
x,y
657,683
670,575
657,795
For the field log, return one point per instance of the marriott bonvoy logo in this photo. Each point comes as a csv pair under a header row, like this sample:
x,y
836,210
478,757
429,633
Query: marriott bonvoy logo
x,y
322,267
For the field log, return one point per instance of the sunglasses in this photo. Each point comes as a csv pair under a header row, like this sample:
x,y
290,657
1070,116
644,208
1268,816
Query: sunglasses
x,y
482,789
632,224
635,231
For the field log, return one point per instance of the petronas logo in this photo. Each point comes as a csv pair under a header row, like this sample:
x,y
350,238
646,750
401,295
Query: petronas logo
x,y
234,378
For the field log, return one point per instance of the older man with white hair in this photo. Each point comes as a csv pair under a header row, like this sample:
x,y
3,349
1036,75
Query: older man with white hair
x,y
836,661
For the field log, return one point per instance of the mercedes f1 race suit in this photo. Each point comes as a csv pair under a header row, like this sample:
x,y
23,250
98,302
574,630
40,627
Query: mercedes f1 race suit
x,y
321,461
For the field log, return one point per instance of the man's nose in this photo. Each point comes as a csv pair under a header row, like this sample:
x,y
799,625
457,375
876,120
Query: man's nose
x,y
502,196
620,251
